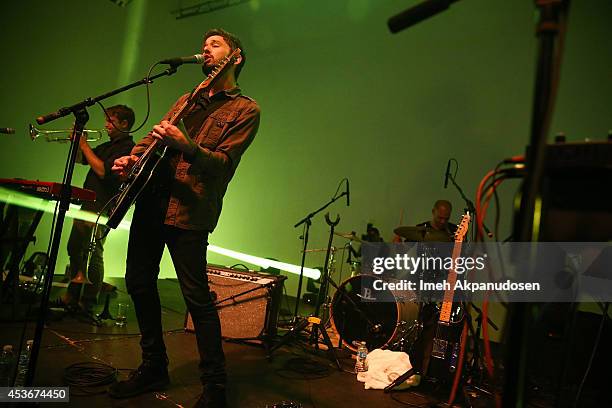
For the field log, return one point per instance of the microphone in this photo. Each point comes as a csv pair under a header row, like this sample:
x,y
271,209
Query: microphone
x,y
7,131
348,194
417,14
176,61
447,174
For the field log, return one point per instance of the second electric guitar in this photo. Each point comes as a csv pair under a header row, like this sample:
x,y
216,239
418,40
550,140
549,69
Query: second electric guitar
x,y
445,352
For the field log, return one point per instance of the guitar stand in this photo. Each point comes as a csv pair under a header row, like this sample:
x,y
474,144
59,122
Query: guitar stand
x,y
318,328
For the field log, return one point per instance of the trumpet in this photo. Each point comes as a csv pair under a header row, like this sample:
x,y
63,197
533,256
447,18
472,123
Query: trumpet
x,y
64,135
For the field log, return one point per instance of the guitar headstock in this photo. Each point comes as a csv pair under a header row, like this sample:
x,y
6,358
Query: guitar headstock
x,y
463,227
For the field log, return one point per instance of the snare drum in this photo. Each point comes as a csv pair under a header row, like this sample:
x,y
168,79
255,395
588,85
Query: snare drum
x,y
378,323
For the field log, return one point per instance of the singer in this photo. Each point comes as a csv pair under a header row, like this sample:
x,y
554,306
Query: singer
x,y
179,208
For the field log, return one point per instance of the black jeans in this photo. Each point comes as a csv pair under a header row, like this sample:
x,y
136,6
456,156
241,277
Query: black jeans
x,y
78,243
148,236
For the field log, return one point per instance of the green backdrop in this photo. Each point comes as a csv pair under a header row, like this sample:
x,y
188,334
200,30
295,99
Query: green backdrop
x,y
340,96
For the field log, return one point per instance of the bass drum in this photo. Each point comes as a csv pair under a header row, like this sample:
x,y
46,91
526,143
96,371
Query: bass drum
x,y
378,323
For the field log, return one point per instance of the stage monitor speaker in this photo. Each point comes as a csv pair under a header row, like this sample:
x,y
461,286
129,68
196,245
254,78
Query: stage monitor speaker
x,y
248,303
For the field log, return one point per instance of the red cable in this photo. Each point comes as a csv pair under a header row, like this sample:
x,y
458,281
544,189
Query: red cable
x,y
490,191
479,230
464,333
487,347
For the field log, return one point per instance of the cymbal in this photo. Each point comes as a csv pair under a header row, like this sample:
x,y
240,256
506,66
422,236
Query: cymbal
x,y
422,234
347,235
411,233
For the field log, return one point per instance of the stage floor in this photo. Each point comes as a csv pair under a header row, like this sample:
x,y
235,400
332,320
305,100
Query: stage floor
x,y
296,373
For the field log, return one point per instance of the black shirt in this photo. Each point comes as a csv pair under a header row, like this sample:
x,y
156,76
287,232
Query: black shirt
x,y
108,186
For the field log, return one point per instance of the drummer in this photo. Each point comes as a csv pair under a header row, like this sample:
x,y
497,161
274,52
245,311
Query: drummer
x,y
438,229
440,214
372,234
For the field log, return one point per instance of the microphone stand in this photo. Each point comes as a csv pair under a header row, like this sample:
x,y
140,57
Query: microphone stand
x,y
298,325
551,33
308,221
81,117
469,204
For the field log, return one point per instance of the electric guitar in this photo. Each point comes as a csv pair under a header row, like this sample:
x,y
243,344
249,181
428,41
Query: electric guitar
x,y
445,351
143,169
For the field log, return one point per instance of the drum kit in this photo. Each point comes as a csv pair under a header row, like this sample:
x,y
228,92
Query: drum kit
x,y
394,324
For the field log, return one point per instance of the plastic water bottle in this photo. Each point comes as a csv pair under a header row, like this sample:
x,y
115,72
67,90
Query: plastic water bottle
x,y
22,365
6,366
361,364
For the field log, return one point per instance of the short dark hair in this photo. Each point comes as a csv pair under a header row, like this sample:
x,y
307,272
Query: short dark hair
x,y
233,41
443,203
122,112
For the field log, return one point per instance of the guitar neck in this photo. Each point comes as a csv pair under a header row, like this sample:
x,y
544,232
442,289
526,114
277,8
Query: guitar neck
x,y
190,101
174,120
447,304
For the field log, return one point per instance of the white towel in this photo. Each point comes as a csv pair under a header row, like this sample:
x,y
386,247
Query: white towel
x,y
384,366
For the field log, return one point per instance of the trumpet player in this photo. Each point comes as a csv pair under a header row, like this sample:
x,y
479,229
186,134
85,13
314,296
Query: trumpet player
x,y
119,121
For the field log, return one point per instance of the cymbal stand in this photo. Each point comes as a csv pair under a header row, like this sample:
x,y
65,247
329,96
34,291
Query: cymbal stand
x,y
323,297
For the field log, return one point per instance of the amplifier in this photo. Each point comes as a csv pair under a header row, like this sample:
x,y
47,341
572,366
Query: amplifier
x,y
248,303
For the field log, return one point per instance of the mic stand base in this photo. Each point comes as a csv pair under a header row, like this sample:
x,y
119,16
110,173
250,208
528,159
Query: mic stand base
x,y
317,328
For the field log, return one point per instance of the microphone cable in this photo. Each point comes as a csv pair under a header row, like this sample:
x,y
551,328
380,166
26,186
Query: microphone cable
x,y
88,377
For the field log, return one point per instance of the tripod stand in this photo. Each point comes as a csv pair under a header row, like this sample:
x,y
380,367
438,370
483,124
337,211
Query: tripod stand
x,y
317,327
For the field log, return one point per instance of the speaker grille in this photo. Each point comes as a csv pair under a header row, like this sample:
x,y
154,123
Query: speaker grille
x,y
247,302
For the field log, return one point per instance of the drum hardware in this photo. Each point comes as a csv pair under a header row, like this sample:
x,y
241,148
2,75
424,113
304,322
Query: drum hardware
x,y
351,259
348,235
323,297
408,334
323,249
